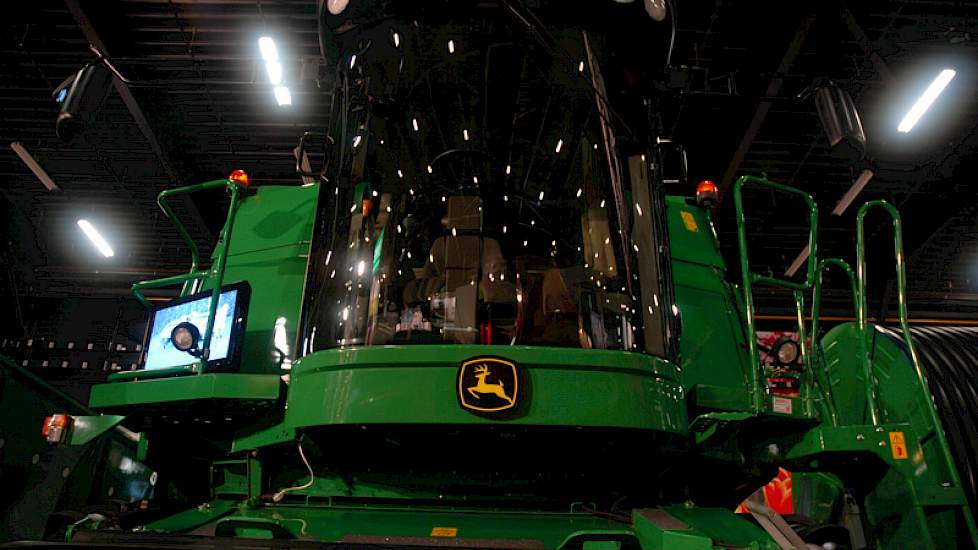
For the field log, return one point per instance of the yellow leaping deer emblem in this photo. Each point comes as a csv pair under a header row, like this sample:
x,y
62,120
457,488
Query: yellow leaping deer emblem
x,y
483,387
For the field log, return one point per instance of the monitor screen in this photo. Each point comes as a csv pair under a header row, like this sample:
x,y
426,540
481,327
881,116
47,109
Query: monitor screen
x,y
160,352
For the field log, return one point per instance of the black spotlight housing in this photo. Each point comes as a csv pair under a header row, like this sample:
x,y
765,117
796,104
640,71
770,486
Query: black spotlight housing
x,y
89,88
186,337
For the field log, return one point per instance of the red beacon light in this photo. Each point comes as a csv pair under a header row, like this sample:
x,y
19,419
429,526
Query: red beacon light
x,y
707,194
240,177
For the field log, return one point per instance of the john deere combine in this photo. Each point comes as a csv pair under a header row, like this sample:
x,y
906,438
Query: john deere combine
x,y
483,324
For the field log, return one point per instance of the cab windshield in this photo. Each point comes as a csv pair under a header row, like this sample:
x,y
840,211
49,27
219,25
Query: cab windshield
x,y
475,194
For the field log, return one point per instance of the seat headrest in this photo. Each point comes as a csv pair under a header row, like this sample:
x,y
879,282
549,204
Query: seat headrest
x,y
463,213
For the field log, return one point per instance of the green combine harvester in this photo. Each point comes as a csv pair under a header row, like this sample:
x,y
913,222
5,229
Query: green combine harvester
x,y
481,322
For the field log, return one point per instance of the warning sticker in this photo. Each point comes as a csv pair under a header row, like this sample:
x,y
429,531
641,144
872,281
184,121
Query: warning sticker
x,y
689,221
898,445
781,405
444,531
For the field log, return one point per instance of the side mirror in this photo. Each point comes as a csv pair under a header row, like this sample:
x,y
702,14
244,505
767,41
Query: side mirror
x,y
840,118
84,99
672,162
302,165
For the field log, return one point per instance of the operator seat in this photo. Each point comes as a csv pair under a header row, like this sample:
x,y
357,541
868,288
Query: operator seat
x,y
464,266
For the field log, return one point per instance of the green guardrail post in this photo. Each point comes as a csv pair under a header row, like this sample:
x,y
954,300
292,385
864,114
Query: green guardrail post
x,y
814,348
901,277
218,276
799,297
756,380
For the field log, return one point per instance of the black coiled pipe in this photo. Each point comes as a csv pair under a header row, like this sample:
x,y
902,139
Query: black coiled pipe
x,y
949,356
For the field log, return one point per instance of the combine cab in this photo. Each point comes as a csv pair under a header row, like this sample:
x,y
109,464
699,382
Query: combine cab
x,y
483,324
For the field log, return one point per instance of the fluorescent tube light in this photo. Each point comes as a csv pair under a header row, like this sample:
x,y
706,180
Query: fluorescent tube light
x,y
268,50
33,166
96,238
282,95
925,100
274,69
850,195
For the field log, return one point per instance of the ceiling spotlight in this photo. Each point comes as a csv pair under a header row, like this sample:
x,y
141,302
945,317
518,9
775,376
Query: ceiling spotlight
x,y
925,100
96,238
336,7
656,9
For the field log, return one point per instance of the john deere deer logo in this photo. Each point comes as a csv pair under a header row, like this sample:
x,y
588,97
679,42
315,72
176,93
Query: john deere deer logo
x,y
488,384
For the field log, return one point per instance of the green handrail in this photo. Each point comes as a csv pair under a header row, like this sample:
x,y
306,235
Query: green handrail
x,y
901,297
823,382
817,292
871,399
901,277
215,273
799,296
756,380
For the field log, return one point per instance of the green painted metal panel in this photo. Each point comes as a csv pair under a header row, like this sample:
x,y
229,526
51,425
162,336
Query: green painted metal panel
x,y
270,251
417,384
727,529
412,526
276,277
691,234
130,395
274,216
37,478
86,428
712,343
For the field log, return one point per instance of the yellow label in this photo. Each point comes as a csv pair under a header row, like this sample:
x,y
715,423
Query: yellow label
x,y
898,445
444,531
689,221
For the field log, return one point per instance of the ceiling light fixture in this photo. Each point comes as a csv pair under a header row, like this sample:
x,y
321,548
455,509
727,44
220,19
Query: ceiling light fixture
x,y
336,7
854,190
268,50
33,166
96,238
926,100
799,260
282,95
274,69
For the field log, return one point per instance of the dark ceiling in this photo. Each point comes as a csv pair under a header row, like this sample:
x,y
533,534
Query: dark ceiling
x,y
198,108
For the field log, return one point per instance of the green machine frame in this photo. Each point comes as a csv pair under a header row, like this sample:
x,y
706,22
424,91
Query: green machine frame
x,y
825,436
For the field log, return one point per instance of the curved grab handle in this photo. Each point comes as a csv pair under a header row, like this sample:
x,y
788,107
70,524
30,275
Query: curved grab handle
x,y
756,380
216,272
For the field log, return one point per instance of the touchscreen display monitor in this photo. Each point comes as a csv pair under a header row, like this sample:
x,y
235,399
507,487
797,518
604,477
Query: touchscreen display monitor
x,y
160,351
